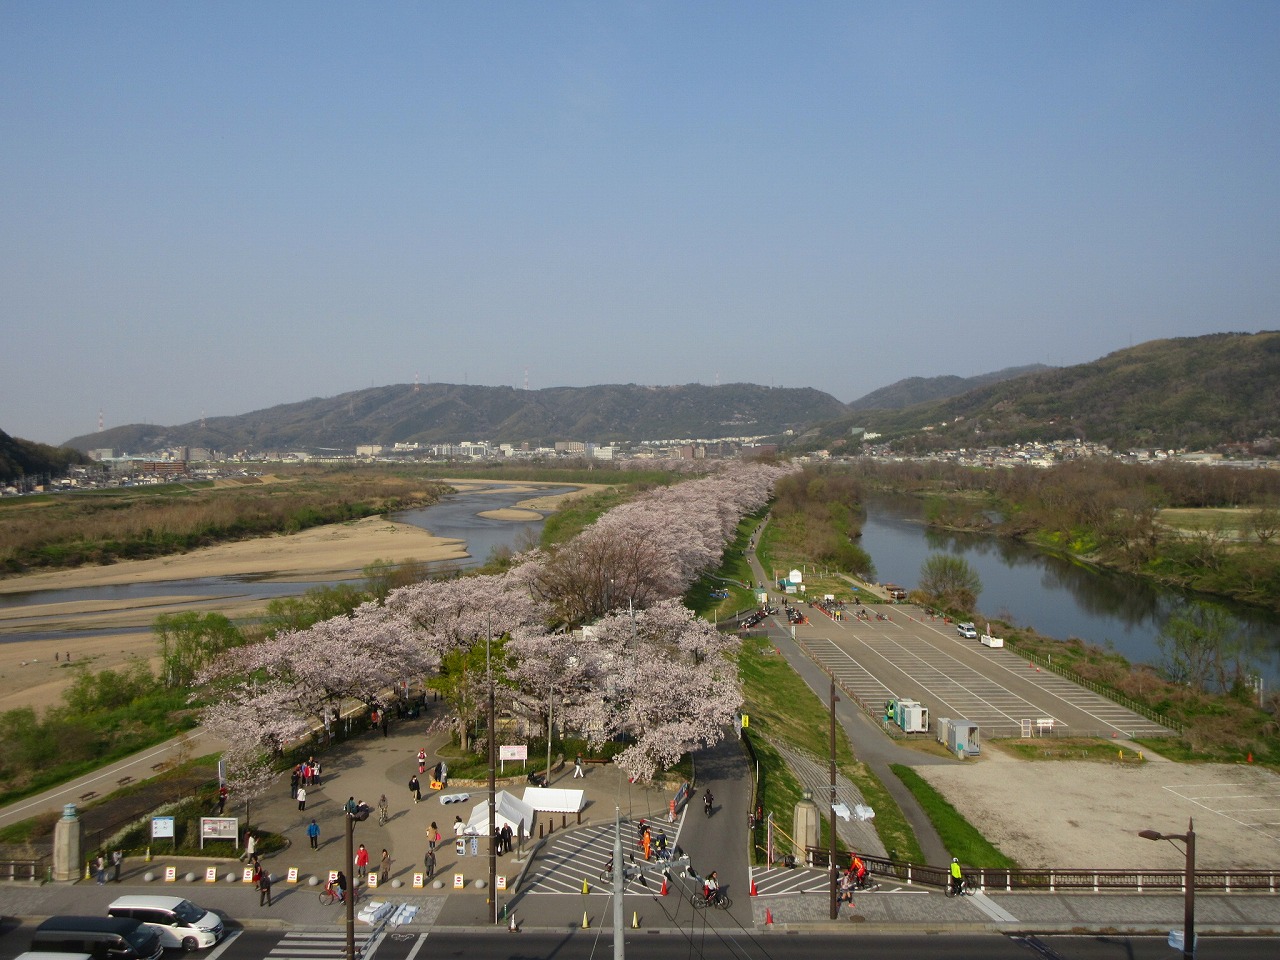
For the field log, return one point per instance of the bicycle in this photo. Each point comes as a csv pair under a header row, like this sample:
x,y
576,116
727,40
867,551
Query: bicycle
x,y
957,889
720,900
329,896
383,814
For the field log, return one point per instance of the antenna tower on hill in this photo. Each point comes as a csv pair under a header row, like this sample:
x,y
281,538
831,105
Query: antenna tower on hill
x,y
416,387
99,419
526,379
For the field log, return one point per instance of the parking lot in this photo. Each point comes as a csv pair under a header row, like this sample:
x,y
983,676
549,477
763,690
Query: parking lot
x,y
913,656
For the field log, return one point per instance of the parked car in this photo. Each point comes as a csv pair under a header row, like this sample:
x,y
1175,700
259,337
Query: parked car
x,y
103,938
179,922
967,630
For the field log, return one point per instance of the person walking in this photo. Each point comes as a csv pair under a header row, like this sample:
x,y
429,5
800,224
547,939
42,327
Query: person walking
x,y
429,861
444,774
458,826
313,834
302,798
415,788
295,780
117,861
433,836
577,767
100,869
250,847
264,888
384,867
222,799
422,761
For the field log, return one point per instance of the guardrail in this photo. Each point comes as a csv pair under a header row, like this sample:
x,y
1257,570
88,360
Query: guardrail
x,y
1053,879
23,869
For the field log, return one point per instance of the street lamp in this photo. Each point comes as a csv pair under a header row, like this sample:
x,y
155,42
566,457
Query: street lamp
x,y
1188,840
352,816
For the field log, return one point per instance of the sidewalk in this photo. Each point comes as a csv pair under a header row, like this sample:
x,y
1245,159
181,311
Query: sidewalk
x,y
372,764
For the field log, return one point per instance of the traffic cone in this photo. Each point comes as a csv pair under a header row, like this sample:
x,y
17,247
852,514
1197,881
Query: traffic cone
x,y
753,886
1251,756
585,889
664,886
635,920
511,923
585,924
768,917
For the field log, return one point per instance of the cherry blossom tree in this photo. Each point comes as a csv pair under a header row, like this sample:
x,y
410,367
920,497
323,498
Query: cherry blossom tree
x,y
661,677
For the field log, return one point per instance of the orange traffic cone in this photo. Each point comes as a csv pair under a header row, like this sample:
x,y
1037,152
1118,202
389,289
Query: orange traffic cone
x,y
753,886
664,886
1251,756
768,917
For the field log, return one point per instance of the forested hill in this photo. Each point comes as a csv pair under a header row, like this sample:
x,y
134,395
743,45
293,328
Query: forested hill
x,y
444,412
1185,393
913,390
23,458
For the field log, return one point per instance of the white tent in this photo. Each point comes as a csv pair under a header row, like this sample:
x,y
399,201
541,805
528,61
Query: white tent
x,y
511,811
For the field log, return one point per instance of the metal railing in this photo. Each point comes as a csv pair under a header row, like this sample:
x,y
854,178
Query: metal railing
x,y
24,868
1053,879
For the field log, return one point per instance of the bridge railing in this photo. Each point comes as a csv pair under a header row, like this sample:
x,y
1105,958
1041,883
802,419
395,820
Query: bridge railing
x,y
1052,879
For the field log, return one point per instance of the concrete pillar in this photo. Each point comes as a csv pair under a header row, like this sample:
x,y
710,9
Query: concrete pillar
x,y
68,834
807,826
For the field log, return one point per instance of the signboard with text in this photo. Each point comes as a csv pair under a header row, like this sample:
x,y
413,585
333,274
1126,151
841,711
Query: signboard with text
x,y
219,828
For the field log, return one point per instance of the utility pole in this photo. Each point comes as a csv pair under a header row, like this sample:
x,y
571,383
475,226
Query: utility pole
x,y
493,788
831,811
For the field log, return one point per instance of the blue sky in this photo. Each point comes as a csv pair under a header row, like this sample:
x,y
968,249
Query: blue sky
x,y
210,208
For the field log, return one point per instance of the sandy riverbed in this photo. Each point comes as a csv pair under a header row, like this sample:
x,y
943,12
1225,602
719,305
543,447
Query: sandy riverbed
x,y
35,672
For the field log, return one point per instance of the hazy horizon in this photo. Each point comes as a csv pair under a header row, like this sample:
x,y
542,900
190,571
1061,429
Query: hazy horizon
x,y
210,209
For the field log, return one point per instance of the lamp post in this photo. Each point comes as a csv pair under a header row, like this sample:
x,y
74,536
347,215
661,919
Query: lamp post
x,y
1188,840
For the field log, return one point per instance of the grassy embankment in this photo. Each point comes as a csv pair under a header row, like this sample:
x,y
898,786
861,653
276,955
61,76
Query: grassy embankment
x,y
958,834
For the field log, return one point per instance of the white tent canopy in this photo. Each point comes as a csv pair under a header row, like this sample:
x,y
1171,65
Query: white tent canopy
x,y
511,811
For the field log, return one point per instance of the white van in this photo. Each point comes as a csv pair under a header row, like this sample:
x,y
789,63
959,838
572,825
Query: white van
x,y
967,630
179,922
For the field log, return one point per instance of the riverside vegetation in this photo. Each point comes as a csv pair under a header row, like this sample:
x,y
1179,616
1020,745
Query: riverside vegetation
x,y
53,531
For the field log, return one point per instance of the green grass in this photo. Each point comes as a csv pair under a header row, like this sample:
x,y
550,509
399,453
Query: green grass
x,y
1097,751
958,834
781,707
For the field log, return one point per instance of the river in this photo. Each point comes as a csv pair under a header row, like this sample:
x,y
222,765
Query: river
x,y
455,517
1054,595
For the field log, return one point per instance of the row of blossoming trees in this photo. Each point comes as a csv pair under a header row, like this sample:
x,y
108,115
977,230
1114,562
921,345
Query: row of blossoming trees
x,y
647,669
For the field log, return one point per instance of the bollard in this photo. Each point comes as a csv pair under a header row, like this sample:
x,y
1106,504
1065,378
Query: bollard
x,y
579,818
564,820
539,831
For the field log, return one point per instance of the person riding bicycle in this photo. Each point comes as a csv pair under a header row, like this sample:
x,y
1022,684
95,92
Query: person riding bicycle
x,y
859,871
382,809
338,887
711,887
957,878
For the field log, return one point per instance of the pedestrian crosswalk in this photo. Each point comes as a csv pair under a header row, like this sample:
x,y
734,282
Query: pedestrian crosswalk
x,y
317,945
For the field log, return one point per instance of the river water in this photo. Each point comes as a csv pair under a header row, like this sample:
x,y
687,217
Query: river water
x,y
456,517
1052,594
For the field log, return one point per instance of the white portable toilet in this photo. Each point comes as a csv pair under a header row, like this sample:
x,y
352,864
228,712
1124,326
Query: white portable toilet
x,y
962,739
943,732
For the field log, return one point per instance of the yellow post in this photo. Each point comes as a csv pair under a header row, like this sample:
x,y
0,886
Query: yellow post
x,y
584,920
635,921
585,888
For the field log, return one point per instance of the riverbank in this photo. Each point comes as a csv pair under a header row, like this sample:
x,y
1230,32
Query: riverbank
x,y
35,672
